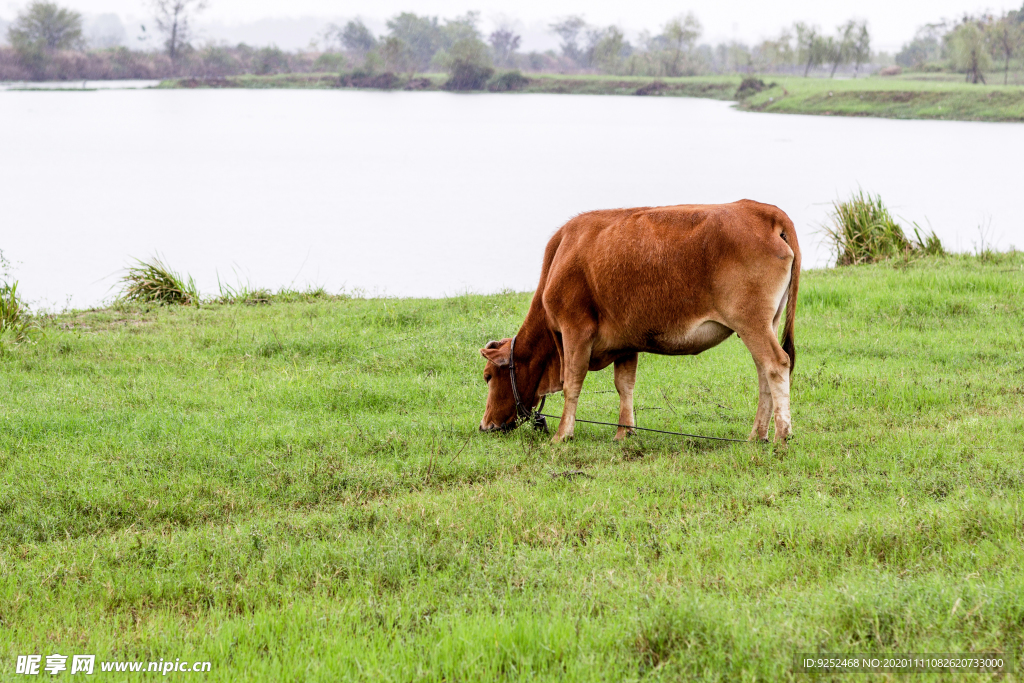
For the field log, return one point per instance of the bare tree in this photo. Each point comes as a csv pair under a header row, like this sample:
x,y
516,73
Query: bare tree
x,y
504,43
839,48
860,50
568,29
811,45
1007,38
174,20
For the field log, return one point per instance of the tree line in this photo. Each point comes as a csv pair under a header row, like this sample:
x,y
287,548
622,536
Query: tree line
x,y
970,45
420,43
47,42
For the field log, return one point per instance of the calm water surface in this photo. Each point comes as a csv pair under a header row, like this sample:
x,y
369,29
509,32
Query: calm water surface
x,y
428,194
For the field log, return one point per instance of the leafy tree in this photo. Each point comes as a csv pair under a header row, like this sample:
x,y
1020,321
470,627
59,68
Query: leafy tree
x,y
967,49
839,47
1007,38
46,26
459,29
812,47
569,29
923,48
504,43
174,20
680,35
610,49
773,53
355,37
397,55
423,36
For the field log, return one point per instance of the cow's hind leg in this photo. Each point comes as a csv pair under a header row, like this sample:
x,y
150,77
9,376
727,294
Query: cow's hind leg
x,y
764,407
577,348
773,369
625,380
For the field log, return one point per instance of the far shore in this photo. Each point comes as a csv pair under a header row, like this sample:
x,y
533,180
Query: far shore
x,y
908,96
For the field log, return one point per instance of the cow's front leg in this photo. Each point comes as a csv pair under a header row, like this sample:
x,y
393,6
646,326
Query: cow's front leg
x,y
577,361
625,380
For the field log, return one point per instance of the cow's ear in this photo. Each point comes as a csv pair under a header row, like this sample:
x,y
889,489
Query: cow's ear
x,y
496,354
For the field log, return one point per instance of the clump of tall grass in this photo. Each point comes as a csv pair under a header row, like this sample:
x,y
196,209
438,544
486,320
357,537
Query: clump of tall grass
x,y
12,311
864,231
15,321
154,282
14,318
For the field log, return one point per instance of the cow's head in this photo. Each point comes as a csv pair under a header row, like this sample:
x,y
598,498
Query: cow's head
x,y
542,377
500,413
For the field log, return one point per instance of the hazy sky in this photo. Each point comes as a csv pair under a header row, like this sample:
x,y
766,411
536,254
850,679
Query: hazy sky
x,y
893,21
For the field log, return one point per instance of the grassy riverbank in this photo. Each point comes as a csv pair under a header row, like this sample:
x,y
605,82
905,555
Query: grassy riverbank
x,y
911,96
897,98
298,491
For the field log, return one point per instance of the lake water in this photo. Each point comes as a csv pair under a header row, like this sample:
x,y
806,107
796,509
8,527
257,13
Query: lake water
x,y
431,194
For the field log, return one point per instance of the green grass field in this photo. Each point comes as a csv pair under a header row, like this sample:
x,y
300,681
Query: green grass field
x,y
910,96
298,492
913,96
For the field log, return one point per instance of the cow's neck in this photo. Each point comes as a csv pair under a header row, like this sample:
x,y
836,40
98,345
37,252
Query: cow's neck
x,y
535,354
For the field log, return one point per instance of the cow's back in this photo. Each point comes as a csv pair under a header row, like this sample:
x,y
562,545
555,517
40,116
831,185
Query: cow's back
x,y
646,274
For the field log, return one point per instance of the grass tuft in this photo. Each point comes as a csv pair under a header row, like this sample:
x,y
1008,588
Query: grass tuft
x,y
12,313
154,281
864,231
242,294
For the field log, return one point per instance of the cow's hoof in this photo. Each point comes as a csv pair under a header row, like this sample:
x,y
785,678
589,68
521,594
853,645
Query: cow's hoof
x,y
623,434
558,438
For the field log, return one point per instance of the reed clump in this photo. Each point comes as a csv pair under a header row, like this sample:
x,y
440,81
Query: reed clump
x,y
12,310
863,230
15,321
154,281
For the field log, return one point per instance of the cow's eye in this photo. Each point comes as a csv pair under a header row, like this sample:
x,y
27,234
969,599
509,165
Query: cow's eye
x,y
487,378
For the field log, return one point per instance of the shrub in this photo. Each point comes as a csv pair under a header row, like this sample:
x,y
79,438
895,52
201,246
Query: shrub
x,y
330,62
270,60
864,231
750,86
466,76
156,282
468,65
508,81
384,81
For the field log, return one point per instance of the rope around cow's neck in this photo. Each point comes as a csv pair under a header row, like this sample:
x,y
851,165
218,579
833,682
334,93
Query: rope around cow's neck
x,y
536,417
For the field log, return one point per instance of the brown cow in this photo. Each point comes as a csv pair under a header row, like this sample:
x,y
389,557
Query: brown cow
x,y
673,280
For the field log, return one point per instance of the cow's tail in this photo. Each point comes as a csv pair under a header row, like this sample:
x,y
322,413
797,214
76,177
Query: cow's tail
x,y
549,257
788,342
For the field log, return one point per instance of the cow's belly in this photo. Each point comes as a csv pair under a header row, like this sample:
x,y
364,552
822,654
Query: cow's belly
x,y
689,341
